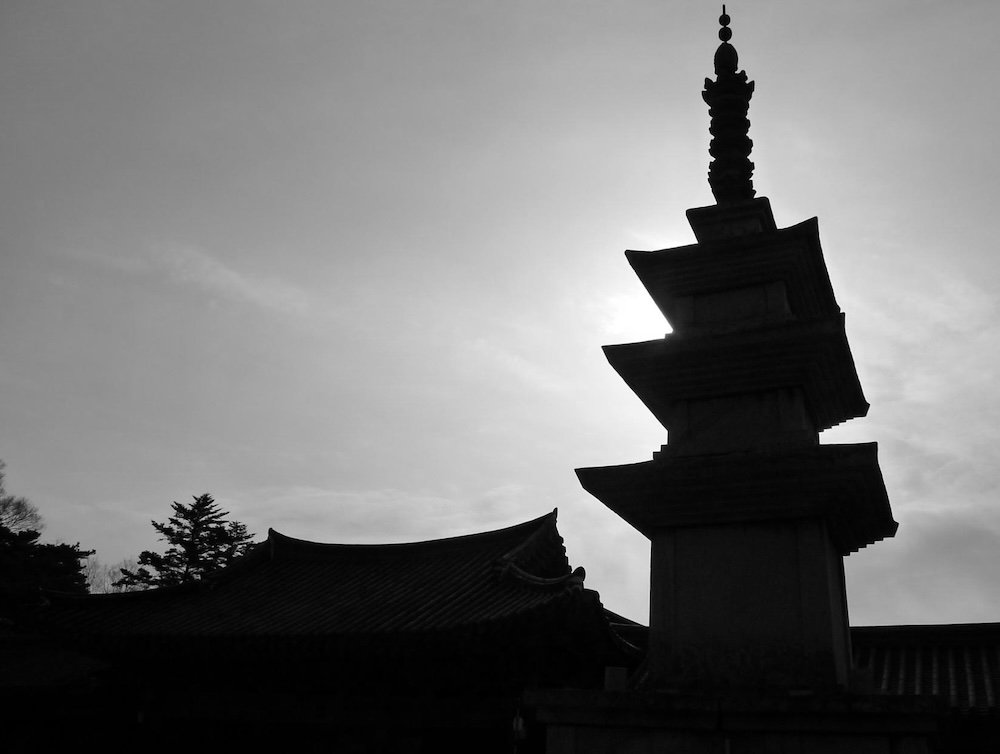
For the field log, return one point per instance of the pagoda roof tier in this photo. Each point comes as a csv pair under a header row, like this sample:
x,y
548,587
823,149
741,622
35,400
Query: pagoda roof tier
x,y
790,255
840,483
814,356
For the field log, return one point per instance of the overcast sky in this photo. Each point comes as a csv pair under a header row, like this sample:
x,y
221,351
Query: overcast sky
x,y
348,266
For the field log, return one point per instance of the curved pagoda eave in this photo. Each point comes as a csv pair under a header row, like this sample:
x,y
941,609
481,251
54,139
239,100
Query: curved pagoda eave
x,y
791,256
813,356
840,483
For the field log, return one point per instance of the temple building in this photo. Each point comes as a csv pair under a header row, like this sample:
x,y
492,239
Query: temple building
x,y
425,646
492,643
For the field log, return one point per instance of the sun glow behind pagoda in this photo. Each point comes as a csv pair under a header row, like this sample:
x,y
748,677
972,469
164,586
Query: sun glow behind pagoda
x,y
749,517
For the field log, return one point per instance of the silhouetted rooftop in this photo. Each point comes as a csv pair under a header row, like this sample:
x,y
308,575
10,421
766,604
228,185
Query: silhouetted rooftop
x,y
958,663
293,587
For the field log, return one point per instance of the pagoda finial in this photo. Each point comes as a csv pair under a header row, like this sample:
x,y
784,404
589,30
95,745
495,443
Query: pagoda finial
x,y
728,99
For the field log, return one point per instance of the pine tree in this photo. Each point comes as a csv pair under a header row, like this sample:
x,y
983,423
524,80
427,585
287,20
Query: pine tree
x,y
27,567
200,539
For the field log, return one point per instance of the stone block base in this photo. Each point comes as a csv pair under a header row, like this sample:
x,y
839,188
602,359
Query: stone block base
x,y
589,722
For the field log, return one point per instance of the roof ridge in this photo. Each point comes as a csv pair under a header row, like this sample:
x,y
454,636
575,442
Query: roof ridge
x,y
281,544
974,625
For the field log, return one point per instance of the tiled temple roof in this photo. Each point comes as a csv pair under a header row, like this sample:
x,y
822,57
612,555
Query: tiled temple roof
x,y
289,587
958,663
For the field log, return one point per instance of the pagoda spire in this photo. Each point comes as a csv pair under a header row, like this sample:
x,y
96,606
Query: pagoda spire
x,y
728,98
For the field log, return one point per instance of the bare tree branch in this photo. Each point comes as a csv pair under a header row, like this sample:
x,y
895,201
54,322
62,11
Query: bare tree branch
x,y
101,577
17,513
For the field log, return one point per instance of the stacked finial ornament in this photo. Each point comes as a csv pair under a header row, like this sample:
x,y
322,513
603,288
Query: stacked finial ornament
x,y
730,174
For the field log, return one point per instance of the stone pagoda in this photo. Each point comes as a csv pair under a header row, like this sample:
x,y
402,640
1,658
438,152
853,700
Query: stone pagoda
x,y
749,516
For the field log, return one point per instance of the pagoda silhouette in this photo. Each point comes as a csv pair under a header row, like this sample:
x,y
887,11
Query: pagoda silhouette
x,y
748,515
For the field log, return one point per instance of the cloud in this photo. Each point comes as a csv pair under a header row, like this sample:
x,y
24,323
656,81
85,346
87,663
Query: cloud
x,y
190,265
945,566
926,344
927,352
483,356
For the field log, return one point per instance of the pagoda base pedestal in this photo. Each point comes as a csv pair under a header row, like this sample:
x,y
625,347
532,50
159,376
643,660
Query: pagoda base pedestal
x,y
594,722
